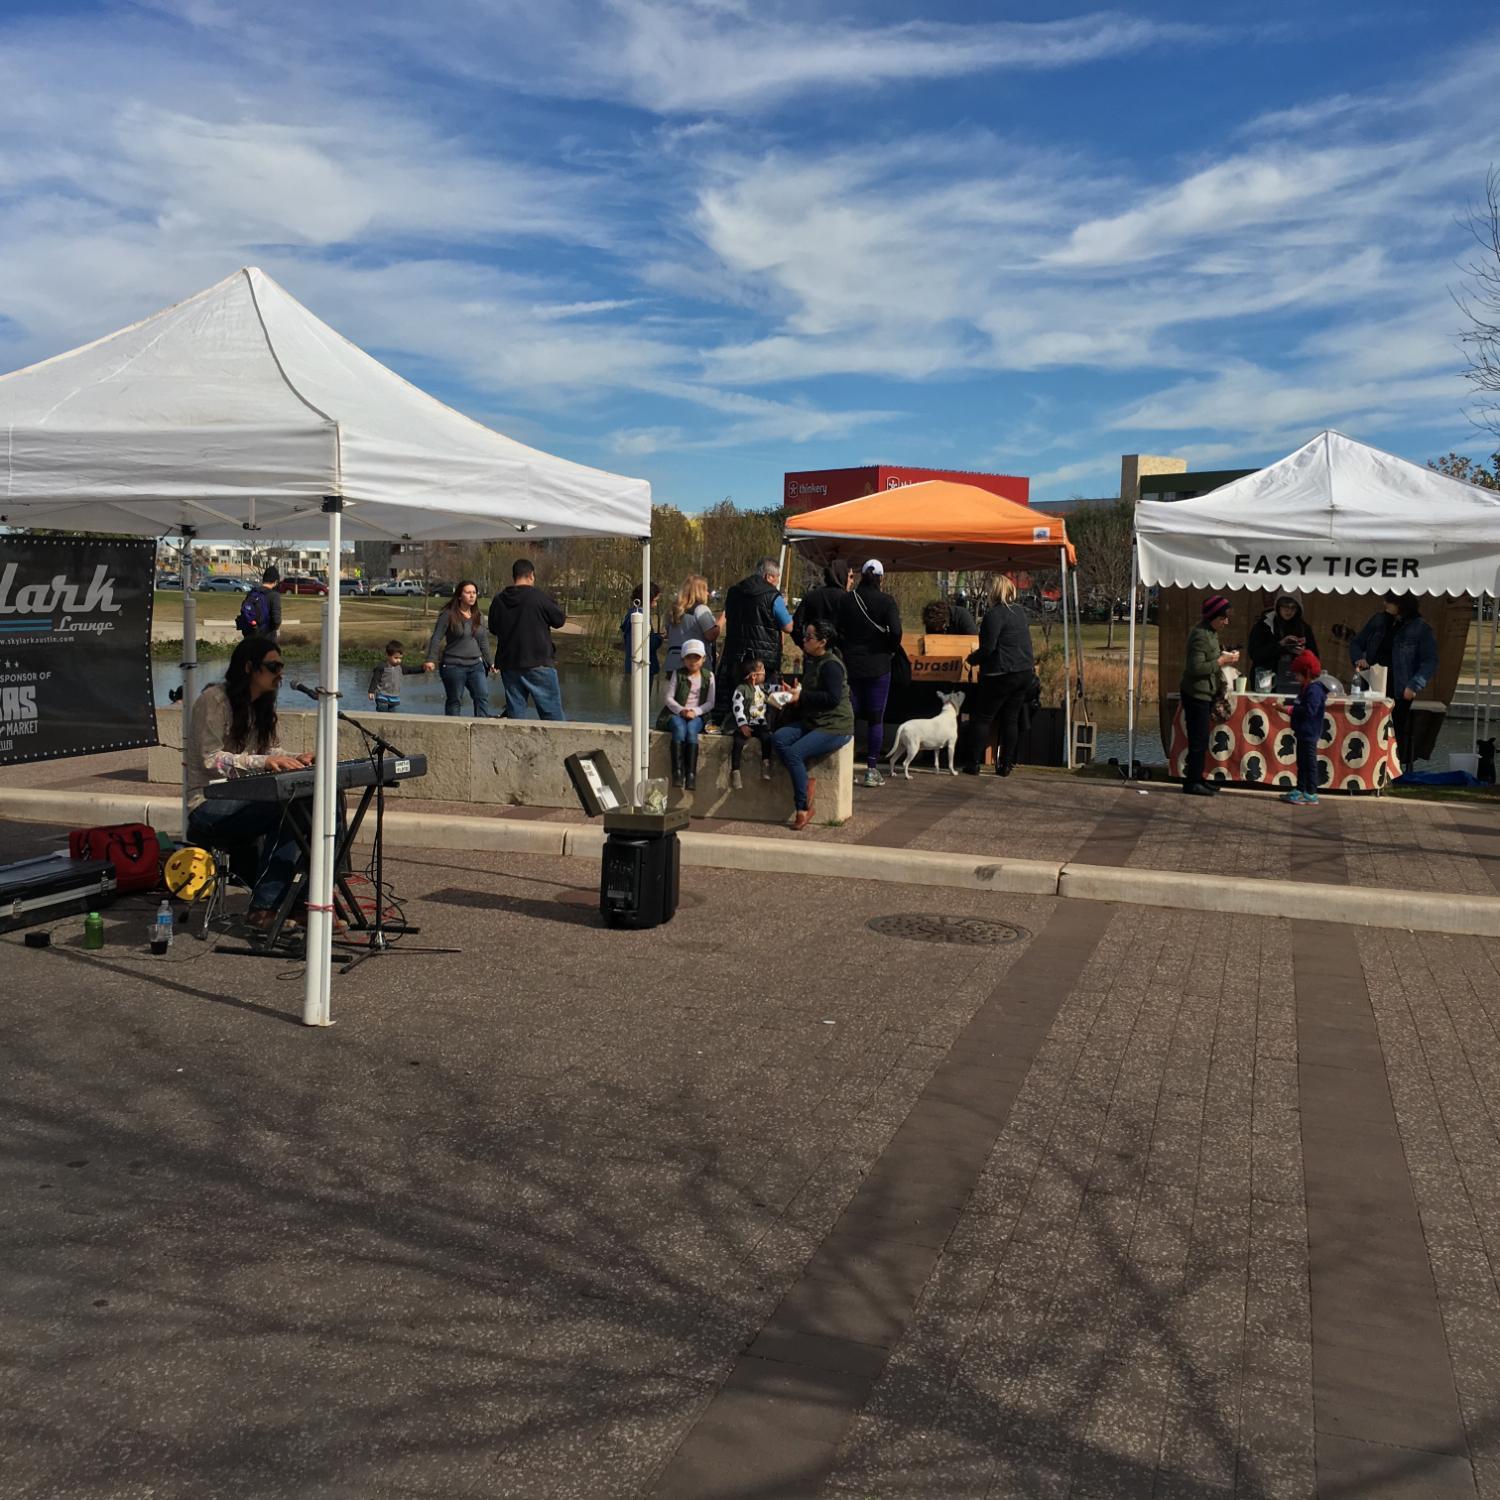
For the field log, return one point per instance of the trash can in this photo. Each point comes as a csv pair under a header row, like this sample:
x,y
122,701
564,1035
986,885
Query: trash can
x,y
640,870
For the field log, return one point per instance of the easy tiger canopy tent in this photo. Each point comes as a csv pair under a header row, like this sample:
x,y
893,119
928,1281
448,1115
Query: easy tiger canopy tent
x,y
939,525
1336,516
236,412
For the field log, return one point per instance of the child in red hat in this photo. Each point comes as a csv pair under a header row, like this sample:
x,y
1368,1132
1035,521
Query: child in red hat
x,y
1307,725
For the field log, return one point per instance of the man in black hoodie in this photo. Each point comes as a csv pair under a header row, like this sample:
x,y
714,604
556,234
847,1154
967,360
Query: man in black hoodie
x,y
522,619
872,636
829,601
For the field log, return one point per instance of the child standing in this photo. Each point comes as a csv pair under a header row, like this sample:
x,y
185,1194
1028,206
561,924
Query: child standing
x,y
385,681
751,719
690,698
1307,725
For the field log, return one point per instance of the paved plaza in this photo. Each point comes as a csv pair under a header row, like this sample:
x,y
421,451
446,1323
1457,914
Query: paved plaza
x,y
828,1188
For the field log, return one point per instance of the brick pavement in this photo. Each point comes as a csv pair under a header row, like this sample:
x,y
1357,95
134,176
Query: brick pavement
x,y
572,1214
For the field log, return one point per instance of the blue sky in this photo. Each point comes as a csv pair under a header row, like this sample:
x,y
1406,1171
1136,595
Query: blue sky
x,y
705,241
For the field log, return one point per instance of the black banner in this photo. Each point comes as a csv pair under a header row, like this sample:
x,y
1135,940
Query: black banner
x,y
75,646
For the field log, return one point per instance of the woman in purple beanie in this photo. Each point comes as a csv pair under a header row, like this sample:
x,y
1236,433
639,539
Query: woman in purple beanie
x,y
1200,683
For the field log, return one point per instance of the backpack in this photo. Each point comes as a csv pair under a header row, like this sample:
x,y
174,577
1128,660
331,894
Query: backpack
x,y
255,612
131,847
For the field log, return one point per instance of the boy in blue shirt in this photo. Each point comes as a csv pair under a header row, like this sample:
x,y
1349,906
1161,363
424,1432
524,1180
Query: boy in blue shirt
x,y
1307,725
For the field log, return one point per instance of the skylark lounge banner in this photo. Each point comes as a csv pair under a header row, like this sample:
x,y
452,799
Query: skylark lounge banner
x,y
75,646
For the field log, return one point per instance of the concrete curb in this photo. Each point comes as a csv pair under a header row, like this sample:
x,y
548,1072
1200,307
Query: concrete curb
x,y
1352,906
1356,906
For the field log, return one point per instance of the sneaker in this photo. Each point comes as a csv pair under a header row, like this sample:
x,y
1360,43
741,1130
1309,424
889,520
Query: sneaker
x,y
1293,796
1309,799
765,770
736,781
873,778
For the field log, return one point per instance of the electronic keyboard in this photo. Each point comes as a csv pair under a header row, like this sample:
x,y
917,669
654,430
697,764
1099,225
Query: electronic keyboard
x,y
294,786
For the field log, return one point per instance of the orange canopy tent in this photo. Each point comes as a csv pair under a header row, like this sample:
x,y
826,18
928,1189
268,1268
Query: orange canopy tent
x,y
933,527
938,526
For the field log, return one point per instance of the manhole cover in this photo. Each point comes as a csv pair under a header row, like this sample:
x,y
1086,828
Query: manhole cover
x,y
925,927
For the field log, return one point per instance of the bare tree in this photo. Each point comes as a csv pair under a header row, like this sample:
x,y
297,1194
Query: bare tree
x,y
1101,536
1480,305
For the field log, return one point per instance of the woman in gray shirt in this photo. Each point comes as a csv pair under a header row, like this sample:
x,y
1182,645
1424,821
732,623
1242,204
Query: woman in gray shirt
x,y
460,652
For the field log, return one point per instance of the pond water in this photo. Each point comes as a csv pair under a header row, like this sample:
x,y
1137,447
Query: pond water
x,y
593,695
596,695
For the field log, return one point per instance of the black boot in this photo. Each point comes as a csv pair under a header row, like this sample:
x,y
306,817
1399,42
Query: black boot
x,y
677,758
690,762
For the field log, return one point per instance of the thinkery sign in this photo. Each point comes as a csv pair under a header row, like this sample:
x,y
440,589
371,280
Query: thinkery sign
x,y
75,646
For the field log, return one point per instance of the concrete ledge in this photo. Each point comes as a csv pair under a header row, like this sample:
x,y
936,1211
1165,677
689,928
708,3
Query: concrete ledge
x,y
1352,906
519,763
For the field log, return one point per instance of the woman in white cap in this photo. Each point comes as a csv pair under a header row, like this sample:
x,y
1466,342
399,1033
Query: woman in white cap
x,y
690,699
871,630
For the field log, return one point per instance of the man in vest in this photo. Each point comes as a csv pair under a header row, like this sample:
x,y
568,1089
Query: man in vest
x,y
755,619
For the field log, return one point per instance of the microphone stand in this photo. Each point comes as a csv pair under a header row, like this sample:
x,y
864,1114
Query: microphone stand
x,y
378,746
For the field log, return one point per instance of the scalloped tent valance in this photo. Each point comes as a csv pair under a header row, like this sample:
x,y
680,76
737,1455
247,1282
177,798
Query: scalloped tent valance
x,y
1334,517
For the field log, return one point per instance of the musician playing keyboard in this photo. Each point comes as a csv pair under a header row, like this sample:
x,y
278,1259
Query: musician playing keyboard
x,y
233,733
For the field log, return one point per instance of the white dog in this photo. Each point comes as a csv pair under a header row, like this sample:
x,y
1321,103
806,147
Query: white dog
x,y
917,735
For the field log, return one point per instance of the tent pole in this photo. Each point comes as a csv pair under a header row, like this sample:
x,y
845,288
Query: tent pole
x,y
1062,554
641,701
189,660
1083,701
317,980
1130,694
1489,692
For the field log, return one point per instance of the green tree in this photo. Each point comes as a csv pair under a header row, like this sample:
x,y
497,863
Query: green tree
x,y
1456,466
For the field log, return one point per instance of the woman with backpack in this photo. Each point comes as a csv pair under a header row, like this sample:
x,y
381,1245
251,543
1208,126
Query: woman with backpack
x,y
460,651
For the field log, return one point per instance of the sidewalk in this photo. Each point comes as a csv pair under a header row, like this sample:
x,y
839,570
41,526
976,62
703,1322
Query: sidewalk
x,y
818,1191
1387,844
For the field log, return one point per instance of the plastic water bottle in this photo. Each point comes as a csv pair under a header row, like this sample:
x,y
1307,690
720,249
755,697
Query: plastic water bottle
x,y
161,929
93,931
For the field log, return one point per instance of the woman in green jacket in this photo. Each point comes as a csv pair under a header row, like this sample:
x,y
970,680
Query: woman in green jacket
x,y
1200,685
822,714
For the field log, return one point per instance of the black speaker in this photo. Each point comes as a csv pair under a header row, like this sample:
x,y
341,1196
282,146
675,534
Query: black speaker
x,y
639,879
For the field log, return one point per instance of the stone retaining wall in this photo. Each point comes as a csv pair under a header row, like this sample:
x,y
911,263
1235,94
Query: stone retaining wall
x,y
519,763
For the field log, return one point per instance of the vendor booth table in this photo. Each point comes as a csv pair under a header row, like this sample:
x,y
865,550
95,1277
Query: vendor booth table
x,y
1256,746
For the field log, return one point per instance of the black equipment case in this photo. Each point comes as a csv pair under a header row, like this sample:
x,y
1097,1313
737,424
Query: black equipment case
x,y
53,885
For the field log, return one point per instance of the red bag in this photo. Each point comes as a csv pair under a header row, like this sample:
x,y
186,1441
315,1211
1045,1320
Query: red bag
x,y
131,847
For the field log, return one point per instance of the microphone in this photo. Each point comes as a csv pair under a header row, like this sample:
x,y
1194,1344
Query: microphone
x,y
307,692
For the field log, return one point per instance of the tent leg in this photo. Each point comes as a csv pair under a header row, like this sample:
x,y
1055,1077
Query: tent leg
x,y
640,703
1130,684
1083,701
319,963
1067,667
1489,692
189,660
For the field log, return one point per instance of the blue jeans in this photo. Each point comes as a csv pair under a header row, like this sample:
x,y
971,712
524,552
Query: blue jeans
x,y
685,731
249,829
385,705
540,684
1307,763
796,746
455,680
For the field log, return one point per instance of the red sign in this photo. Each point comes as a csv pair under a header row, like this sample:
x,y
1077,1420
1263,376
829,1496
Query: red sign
x,y
811,489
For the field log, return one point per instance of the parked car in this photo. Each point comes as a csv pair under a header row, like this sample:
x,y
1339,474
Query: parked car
x,y
405,586
169,580
301,586
352,586
440,590
221,583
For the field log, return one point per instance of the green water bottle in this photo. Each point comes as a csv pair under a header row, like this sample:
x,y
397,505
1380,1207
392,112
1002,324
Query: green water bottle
x,y
93,930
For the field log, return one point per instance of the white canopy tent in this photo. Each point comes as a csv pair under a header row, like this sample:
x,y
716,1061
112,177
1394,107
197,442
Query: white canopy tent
x,y
238,411
1336,516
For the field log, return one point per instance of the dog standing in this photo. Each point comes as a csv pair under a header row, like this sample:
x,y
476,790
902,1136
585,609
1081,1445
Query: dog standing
x,y
917,735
